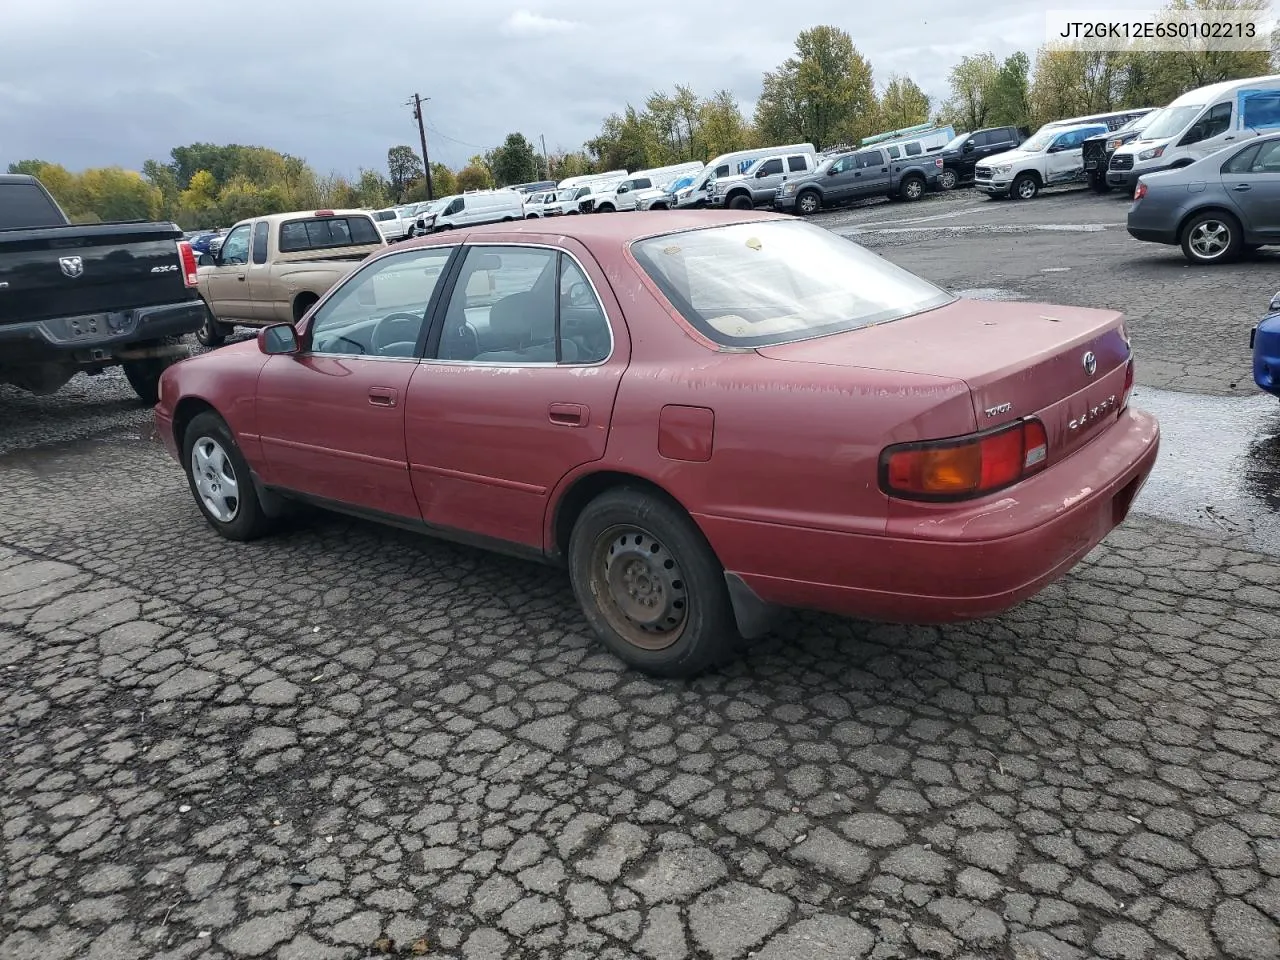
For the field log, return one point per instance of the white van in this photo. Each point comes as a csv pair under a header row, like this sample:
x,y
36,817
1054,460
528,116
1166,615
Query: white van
x,y
1197,124
1052,156
476,207
623,195
731,165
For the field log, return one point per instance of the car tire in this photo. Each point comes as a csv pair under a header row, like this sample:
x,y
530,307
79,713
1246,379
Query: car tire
x,y
947,179
650,585
808,203
605,208
741,202
144,375
1024,187
1212,237
912,189
211,332
241,518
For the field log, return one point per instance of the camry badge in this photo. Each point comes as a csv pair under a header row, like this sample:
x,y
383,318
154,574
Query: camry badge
x,y
1090,363
71,266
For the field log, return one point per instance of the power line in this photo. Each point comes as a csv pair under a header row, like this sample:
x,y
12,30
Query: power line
x,y
462,143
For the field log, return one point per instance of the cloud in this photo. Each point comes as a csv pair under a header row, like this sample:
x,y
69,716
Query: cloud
x,y
523,23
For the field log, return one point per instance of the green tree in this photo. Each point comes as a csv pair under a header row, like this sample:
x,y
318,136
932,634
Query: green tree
x,y
403,167
29,168
514,161
722,126
474,176
822,94
1010,92
624,143
373,189
973,81
903,104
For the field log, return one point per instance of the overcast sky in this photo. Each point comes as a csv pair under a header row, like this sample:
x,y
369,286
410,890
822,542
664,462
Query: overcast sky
x,y
92,83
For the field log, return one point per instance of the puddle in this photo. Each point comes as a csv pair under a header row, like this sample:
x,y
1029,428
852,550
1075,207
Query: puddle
x,y
988,293
1219,465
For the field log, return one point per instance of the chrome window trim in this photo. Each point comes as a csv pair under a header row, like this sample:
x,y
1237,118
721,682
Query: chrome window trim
x,y
613,342
379,260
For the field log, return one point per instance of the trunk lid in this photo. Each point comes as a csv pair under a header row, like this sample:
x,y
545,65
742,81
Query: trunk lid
x,y
108,267
1017,359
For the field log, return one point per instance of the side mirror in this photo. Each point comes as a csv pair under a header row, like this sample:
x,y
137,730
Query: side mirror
x,y
832,171
969,146
624,189
206,260
277,339
1274,306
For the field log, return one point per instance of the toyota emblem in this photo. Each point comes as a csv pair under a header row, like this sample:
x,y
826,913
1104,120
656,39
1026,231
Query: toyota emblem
x,y
1090,363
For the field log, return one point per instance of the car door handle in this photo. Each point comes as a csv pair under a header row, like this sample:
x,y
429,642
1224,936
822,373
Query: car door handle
x,y
568,414
1241,187
383,396
240,277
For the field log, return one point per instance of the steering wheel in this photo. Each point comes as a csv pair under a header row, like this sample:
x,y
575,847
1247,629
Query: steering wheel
x,y
396,328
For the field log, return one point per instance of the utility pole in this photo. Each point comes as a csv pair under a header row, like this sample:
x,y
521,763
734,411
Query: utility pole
x,y
422,132
546,161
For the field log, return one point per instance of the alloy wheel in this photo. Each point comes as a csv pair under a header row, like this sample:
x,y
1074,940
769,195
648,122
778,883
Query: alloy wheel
x,y
215,479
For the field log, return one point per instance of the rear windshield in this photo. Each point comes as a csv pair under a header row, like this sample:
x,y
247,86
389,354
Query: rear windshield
x,y
756,284
24,206
319,233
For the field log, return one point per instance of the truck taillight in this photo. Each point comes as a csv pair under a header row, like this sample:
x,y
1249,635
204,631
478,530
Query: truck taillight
x,y
961,468
937,162
187,257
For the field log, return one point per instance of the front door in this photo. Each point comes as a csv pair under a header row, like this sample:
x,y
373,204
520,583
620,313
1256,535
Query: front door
x,y
841,180
331,417
517,391
228,281
872,173
1065,159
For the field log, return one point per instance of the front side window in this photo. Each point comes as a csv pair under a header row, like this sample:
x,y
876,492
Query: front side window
x,y
755,284
235,249
454,207
380,311
770,167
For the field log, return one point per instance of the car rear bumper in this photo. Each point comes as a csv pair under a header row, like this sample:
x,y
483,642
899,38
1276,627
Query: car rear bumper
x,y
1151,234
94,337
976,561
1266,355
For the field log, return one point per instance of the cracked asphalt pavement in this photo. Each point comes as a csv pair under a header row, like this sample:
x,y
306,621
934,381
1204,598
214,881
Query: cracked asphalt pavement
x,y
347,741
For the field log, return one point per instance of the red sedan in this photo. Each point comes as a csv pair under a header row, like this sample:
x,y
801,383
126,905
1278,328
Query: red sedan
x,y
705,417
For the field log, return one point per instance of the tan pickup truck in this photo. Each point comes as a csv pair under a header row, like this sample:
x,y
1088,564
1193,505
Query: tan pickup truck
x,y
272,269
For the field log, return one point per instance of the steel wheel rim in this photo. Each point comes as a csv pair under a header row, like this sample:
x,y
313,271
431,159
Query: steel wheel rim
x,y
948,179
1210,239
639,587
913,189
215,479
1026,189
808,203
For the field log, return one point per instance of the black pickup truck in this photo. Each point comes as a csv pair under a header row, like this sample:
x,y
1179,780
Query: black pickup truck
x,y
1098,150
78,298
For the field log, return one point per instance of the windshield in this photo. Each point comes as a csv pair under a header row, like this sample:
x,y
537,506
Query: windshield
x,y
957,142
569,194
1171,122
755,284
1040,140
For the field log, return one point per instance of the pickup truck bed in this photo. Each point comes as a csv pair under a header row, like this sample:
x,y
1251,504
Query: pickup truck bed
x,y
82,297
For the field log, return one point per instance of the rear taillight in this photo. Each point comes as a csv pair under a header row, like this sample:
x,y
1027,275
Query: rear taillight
x,y
961,468
1140,192
1128,383
187,257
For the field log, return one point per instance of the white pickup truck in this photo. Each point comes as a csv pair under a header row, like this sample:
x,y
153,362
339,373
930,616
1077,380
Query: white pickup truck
x,y
1052,156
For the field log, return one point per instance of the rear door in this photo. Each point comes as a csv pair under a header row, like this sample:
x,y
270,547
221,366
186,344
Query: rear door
x,y
259,274
1252,180
503,408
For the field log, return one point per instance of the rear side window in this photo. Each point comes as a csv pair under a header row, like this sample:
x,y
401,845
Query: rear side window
x,y
796,164
893,152
320,233
260,242
913,149
24,205
870,158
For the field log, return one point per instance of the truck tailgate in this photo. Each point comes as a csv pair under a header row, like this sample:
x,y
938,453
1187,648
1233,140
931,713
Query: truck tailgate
x,y
83,269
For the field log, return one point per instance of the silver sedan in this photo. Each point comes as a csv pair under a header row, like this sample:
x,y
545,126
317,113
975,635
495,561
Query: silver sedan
x,y
1217,208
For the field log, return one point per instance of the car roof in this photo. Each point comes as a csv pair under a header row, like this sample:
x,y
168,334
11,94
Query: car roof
x,y
601,230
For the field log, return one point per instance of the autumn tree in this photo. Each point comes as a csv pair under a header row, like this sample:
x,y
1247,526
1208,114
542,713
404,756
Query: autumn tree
x,y
1009,96
722,126
474,176
903,104
403,167
973,81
